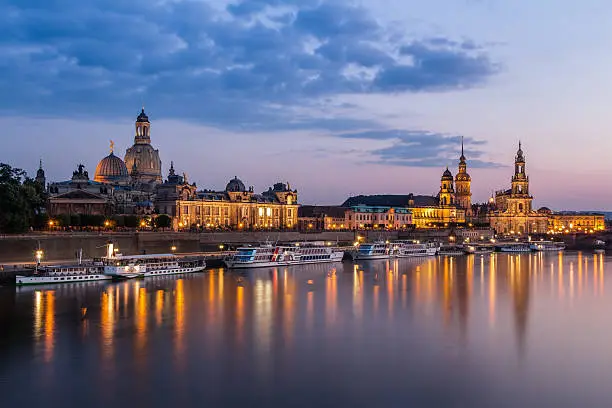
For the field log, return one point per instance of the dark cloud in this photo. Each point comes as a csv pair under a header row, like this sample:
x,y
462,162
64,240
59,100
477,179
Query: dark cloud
x,y
423,149
250,65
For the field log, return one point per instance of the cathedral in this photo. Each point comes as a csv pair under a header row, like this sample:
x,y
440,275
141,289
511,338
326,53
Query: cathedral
x,y
512,211
119,186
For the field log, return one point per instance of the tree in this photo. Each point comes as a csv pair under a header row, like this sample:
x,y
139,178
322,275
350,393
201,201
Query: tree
x,y
21,200
163,221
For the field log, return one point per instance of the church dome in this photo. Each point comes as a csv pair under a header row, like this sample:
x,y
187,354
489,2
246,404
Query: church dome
x,y
447,175
111,170
142,117
145,160
235,185
463,177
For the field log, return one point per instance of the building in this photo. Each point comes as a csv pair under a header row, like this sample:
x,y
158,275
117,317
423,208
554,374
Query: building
x,y
79,196
426,211
236,207
575,222
142,160
463,182
361,217
513,213
322,218
114,189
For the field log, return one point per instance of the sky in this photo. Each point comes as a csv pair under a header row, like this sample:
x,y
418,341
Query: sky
x,y
338,97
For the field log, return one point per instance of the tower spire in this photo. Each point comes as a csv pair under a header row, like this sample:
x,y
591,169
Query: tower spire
x,y
40,164
461,146
112,146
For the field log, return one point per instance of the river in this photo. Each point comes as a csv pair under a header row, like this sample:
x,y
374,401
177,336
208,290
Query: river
x,y
498,330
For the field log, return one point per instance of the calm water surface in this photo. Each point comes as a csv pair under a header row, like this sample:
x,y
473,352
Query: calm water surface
x,y
492,331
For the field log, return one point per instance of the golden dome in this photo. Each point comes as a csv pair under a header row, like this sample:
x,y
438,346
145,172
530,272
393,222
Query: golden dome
x,y
111,170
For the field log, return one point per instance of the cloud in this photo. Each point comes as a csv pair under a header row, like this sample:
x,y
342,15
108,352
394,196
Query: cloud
x,y
423,148
253,64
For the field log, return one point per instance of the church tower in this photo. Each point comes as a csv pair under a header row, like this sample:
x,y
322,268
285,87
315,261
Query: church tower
x,y
40,176
463,183
447,191
141,159
520,200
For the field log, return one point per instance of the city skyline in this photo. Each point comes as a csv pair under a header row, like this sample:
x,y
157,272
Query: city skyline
x,y
375,102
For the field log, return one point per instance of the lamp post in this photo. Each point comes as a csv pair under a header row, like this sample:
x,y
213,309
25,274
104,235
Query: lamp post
x,y
39,254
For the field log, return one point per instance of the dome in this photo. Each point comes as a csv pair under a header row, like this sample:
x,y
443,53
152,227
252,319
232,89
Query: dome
x,y
235,185
112,170
142,117
447,174
463,177
545,210
145,160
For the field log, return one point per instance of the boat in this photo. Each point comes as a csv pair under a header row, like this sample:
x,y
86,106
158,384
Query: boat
x,y
548,246
63,274
451,250
373,250
268,255
406,249
599,246
513,247
479,249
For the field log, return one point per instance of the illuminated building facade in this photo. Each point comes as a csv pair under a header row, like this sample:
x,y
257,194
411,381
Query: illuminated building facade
x,y
362,217
425,211
513,213
576,222
236,207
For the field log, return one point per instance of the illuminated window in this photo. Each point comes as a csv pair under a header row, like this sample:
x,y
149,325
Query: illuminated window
x,y
261,212
268,212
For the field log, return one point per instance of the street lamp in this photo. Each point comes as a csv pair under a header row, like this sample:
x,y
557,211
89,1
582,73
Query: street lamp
x,y
173,248
221,246
39,254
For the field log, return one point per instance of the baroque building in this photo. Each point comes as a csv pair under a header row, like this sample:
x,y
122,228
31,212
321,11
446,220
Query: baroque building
x,y
236,207
463,181
513,212
142,160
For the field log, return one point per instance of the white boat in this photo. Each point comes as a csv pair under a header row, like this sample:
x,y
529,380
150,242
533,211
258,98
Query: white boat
x,y
143,266
541,246
479,249
268,255
514,247
373,250
599,246
451,250
64,274
405,249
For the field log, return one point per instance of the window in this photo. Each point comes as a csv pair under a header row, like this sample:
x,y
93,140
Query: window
x,y
268,212
186,210
261,212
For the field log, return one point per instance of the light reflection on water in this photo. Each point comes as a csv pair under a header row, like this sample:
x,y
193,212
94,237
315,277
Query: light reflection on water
x,y
530,328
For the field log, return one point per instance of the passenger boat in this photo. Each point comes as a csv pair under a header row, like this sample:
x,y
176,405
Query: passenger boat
x,y
373,250
405,249
114,265
514,247
481,249
599,246
541,246
64,274
268,255
451,250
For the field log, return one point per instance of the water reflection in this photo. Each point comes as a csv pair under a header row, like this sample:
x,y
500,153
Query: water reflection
x,y
295,319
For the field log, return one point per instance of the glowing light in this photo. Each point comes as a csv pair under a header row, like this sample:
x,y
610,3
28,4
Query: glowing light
x,y
173,248
221,247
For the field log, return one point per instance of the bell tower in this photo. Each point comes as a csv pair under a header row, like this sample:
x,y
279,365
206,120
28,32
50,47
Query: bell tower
x,y
143,128
447,191
520,200
463,183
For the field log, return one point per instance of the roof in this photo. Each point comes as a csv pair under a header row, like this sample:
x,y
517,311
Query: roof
x,y
392,200
318,210
78,194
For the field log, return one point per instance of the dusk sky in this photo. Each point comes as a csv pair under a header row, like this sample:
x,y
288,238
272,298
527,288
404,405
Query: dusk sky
x,y
337,97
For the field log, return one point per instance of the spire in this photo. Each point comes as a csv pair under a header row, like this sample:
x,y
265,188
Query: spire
x,y
112,147
40,164
461,146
